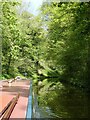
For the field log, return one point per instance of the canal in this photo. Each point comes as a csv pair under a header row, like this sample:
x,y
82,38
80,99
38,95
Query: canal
x,y
60,101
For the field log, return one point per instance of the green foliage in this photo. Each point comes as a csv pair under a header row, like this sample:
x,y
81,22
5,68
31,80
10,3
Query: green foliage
x,y
68,40
52,44
10,37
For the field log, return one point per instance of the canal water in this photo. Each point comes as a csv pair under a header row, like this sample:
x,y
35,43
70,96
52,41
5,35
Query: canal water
x,y
62,101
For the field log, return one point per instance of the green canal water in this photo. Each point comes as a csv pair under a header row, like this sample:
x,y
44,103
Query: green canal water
x,y
62,101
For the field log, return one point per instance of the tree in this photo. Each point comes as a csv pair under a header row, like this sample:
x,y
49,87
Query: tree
x,y
68,38
10,37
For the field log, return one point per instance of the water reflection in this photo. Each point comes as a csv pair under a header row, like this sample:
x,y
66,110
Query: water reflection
x,y
63,102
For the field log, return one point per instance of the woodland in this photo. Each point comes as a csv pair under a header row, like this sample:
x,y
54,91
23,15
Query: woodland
x,y
53,44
